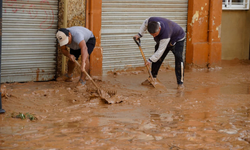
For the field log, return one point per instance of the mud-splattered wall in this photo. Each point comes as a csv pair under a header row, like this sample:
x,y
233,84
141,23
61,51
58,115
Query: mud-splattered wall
x,y
203,33
75,17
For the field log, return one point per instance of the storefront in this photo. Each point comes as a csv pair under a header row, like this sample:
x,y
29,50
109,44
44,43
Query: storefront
x,y
28,40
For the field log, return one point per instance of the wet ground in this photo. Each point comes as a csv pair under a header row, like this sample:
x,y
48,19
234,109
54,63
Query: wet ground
x,y
211,113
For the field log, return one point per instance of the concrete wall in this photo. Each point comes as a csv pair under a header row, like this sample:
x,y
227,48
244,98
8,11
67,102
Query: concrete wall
x,y
235,36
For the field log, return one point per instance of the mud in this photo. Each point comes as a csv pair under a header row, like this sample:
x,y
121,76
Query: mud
x,y
212,112
3,90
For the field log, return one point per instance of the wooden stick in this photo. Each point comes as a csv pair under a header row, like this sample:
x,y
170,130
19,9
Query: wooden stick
x,y
88,75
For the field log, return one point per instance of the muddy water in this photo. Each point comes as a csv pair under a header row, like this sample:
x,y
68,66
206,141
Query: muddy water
x,y
212,112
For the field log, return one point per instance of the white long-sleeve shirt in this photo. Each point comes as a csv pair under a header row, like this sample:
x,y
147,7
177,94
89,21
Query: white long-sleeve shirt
x,y
170,32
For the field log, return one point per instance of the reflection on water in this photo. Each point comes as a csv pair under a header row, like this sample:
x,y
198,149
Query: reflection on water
x,y
121,115
226,89
235,89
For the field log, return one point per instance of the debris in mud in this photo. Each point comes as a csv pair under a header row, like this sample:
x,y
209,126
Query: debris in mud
x,y
111,93
247,140
111,97
3,91
22,116
229,131
114,99
173,147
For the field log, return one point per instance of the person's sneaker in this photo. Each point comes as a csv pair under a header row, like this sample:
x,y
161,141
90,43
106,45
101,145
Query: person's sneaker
x,y
180,87
65,78
81,84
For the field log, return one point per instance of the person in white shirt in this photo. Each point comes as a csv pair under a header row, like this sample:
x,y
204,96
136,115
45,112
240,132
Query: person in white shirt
x,y
168,35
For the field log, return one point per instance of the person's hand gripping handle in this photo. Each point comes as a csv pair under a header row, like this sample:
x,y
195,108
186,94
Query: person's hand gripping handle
x,y
138,42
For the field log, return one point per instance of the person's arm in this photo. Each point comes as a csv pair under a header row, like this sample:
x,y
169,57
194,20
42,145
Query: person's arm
x,y
162,47
143,28
84,53
66,53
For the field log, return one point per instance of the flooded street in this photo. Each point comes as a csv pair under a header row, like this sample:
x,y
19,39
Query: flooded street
x,y
211,113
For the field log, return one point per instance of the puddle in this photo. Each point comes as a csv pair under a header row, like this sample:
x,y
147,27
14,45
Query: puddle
x,y
120,115
235,89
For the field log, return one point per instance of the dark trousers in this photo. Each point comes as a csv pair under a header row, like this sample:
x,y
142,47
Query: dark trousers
x,y
177,50
90,45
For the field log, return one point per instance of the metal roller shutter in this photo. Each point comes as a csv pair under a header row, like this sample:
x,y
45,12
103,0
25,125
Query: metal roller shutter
x,y
121,20
28,40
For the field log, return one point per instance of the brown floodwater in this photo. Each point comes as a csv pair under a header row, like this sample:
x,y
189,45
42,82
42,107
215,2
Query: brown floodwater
x,y
211,113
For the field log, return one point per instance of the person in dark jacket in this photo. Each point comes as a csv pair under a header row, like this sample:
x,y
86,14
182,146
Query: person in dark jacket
x,y
168,35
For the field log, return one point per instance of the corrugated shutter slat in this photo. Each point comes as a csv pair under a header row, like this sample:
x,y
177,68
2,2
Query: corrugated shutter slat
x,y
121,20
28,40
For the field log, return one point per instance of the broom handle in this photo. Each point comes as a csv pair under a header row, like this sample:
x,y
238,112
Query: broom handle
x,y
87,75
144,58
